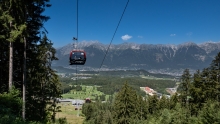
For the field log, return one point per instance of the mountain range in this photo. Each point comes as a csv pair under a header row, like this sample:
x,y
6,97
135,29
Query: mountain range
x,y
141,56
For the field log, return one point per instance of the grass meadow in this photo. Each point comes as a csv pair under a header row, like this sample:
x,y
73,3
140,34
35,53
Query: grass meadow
x,y
86,92
68,111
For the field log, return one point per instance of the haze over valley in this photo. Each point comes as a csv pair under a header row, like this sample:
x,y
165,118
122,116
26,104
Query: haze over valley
x,y
160,58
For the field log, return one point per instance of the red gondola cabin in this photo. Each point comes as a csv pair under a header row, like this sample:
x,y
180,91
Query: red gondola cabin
x,y
77,57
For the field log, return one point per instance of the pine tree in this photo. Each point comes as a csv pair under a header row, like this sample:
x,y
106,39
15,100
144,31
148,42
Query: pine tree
x,y
215,77
152,104
163,103
125,105
184,87
210,85
142,108
173,101
210,113
44,84
89,110
197,94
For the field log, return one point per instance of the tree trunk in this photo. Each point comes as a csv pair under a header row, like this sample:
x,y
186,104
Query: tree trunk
x,y
10,80
24,80
10,65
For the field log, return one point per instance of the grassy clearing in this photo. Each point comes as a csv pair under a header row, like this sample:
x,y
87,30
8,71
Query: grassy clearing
x,y
87,92
69,112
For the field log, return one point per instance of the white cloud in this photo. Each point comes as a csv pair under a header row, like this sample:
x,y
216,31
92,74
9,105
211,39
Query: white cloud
x,y
126,37
172,35
140,36
189,33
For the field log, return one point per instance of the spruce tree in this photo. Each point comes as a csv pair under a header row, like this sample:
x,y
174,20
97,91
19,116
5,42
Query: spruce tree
x,y
215,77
210,113
184,87
174,99
197,93
153,104
163,103
125,105
44,82
210,85
142,108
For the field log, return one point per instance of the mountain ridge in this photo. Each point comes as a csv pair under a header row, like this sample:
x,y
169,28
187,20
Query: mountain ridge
x,y
143,56
126,45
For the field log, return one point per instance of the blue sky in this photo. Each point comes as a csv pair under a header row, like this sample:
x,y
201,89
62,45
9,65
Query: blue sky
x,y
144,21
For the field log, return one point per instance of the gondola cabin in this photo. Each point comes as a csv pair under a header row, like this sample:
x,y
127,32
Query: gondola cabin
x,y
77,57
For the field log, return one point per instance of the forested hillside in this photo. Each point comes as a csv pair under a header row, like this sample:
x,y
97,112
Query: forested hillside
x,y
109,84
196,102
28,85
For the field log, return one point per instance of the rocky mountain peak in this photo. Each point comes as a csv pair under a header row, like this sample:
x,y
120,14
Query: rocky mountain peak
x,y
142,56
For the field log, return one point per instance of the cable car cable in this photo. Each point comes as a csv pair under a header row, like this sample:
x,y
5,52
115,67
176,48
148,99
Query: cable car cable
x,y
77,56
112,38
76,35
